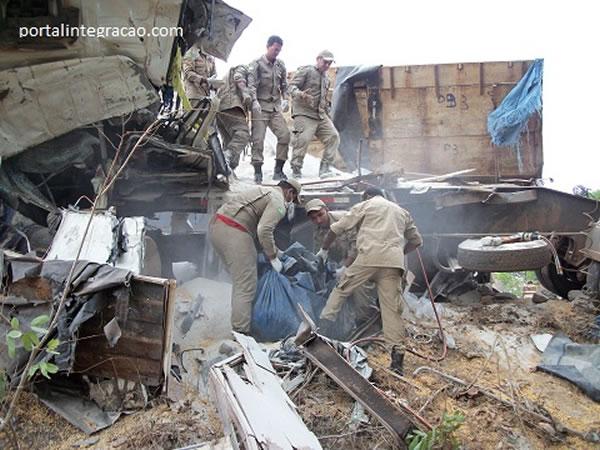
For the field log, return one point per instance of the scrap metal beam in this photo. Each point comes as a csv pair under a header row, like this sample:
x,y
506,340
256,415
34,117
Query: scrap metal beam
x,y
360,389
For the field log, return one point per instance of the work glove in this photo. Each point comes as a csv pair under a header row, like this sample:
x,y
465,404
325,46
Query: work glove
x,y
247,101
322,254
280,254
256,109
277,265
339,272
285,106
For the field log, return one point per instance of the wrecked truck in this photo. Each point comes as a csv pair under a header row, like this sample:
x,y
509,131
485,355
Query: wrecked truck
x,y
422,132
74,107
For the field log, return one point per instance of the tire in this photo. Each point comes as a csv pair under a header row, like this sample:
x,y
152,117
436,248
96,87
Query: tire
x,y
559,284
511,257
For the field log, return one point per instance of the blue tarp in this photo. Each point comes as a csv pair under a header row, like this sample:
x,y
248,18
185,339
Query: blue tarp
x,y
509,119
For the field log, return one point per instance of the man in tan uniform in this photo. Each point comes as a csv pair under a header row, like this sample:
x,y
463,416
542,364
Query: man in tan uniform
x,y
270,79
343,251
387,232
197,69
237,97
248,217
310,109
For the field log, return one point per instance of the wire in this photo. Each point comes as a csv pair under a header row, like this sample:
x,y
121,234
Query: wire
x,y
559,269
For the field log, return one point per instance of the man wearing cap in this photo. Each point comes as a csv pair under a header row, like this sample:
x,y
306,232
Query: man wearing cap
x,y
310,110
386,233
236,97
343,251
270,78
248,217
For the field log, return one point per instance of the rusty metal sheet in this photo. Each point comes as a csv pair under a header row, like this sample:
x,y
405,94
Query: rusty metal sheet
x,y
326,358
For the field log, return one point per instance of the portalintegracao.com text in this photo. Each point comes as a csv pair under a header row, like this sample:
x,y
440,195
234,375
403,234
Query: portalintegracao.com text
x,y
67,31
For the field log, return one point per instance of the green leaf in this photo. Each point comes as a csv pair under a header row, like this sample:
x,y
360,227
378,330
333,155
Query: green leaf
x,y
27,342
40,320
39,330
52,344
14,334
32,370
11,347
14,323
44,371
51,368
2,385
30,340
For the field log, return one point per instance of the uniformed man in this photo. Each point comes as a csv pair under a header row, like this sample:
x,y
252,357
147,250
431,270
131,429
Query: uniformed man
x,y
342,251
198,67
270,79
237,97
248,217
387,232
310,110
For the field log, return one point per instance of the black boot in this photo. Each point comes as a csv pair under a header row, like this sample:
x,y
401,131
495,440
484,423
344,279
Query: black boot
x,y
258,177
278,173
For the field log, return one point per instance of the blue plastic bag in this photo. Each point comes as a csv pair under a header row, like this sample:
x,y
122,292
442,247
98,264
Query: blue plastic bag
x,y
275,312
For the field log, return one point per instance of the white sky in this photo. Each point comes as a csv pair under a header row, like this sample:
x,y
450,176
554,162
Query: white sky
x,y
565,34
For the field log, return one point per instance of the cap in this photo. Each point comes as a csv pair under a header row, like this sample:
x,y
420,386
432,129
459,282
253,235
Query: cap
x,y
314,205
326,55
295,184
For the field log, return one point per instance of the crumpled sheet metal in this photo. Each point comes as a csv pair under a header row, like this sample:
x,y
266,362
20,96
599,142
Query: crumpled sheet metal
x,y
45,101
108,241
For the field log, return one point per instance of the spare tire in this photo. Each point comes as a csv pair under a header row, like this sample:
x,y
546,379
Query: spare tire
x,y
511,257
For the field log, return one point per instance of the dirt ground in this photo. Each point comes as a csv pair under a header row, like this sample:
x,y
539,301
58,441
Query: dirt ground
x,y
507,372
162,426
488,424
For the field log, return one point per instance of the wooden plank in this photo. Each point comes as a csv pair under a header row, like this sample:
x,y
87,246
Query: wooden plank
x,y
459,74
460,111
129,344
140,352
438,155
129,368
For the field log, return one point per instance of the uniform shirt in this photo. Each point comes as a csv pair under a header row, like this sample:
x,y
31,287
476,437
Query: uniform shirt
x,y
384,230
270,81
344,245
259,210
231,95
197,67
314,83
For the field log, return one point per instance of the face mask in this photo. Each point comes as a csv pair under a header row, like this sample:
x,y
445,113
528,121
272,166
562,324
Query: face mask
x,y
291,210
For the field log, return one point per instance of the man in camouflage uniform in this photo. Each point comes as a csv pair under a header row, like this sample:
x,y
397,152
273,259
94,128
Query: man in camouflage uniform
x,y
250,216
310,109
197,69
270,79
343,251
236,97
387,232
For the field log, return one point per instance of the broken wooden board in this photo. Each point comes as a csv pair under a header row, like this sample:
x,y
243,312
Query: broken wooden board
x,y
253,404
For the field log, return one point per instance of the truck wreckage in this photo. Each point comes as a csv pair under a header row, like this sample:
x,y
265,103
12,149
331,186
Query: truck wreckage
x,y
86,119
